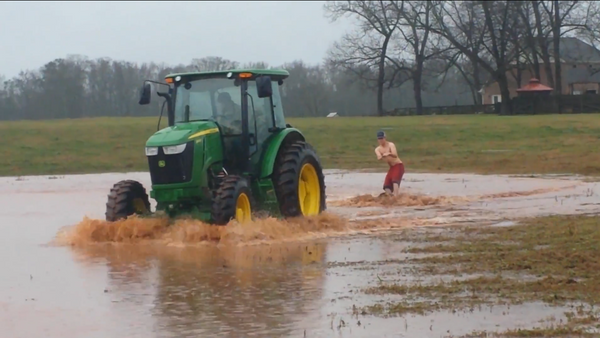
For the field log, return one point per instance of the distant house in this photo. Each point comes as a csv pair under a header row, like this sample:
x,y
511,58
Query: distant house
x,y
580,68
334,114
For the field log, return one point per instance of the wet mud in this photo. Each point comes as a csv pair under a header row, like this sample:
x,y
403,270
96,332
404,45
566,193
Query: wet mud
x,y
76,275
402,200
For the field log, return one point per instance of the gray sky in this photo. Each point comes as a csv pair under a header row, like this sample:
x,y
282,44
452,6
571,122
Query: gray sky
x,y
34,33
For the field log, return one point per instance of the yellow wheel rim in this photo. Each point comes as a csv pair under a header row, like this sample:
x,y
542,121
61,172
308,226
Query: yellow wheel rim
x,y
243,212
309,190
138,206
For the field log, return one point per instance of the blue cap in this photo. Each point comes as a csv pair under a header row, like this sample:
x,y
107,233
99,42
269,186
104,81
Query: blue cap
x,y
380,135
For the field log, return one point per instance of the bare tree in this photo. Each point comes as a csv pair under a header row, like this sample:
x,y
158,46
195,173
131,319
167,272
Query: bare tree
x,y
450,23
528,46
256,65
521,34
591,32
471,72
565,17
543,29
306,90
552,20
213,63
417,41
472,37
367,47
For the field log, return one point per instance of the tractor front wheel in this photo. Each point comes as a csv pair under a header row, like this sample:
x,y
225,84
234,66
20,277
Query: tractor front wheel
x,y
125,199
299,181
233,200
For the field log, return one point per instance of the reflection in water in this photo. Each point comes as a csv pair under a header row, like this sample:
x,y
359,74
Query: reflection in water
x,y
217,290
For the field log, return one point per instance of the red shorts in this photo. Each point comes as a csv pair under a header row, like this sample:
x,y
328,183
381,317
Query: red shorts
x,y
394,175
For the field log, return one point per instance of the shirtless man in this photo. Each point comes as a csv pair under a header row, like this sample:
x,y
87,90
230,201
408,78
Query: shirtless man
x,y
387,151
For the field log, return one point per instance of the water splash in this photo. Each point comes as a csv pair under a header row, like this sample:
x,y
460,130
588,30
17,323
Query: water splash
x,y
183,232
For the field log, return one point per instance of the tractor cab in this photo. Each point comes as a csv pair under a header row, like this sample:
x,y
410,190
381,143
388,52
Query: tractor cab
x,y
244,105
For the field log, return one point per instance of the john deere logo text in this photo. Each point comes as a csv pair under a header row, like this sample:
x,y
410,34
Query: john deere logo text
x,y
161,164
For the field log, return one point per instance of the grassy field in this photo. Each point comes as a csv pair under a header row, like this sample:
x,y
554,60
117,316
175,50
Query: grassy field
x,y
552,260
479,144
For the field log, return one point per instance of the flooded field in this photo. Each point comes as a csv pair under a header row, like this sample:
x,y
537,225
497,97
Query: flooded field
x,y
370,267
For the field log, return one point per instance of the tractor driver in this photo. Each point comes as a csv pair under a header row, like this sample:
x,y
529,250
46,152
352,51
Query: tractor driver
x,y
229,114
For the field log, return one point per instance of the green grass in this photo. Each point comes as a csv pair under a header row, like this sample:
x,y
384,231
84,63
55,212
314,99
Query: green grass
x,y
480,144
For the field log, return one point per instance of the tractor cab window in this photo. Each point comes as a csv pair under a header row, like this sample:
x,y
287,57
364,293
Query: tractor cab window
x,y
210,99
196,102
229,110
261,112
277,106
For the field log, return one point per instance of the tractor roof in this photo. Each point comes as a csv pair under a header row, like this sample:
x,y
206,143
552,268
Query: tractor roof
x,y
276,74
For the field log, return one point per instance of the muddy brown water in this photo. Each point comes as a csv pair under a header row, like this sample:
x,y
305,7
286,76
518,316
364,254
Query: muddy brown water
x,y
276,279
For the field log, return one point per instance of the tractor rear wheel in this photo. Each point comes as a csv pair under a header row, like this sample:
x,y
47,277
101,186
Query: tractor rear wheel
x,y
299,180
233,200
125,199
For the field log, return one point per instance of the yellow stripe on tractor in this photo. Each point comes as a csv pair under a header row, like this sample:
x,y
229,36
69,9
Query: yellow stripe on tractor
x,y
204,132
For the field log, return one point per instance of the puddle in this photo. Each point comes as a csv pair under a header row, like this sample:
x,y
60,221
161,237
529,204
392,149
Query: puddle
x,y
523,193
142,278
504,224
455,324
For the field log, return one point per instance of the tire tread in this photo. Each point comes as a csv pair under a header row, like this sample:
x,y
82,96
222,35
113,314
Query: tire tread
x,y
286,175
118,205
224,203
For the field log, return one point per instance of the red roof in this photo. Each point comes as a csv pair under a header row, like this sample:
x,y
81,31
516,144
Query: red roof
x,y
534,85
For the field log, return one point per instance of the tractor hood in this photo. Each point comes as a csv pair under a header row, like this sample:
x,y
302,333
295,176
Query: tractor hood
x,y
181,133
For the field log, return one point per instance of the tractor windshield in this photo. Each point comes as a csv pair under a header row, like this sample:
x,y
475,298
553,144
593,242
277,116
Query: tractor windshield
x,y
210,99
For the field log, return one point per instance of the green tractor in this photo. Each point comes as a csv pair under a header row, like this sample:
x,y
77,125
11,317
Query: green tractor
x,y
226,154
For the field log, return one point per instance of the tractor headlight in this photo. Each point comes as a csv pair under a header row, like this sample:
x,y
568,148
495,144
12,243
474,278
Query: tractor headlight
x,y
172,150
151,151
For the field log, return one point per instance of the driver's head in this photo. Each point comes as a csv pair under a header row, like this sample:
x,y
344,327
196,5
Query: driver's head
x,y
224,100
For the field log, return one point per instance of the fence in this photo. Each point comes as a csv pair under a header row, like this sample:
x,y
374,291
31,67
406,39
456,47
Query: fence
x,y
556,104
525,105
445,110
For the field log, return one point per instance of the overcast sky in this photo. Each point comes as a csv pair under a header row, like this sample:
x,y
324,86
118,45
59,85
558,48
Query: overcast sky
x,y
34,33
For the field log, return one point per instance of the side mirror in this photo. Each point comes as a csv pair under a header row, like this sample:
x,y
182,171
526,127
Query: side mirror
x,y
263,86
145,94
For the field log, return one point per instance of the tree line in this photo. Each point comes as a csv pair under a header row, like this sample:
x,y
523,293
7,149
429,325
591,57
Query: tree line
x,y
76,87
399,54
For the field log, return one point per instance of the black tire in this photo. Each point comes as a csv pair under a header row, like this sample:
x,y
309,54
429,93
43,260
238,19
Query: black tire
x,y
123,198
224,204
286,174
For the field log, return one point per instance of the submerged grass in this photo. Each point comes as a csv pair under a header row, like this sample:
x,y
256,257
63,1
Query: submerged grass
x,y
476,143
550,259
566,330
564,247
